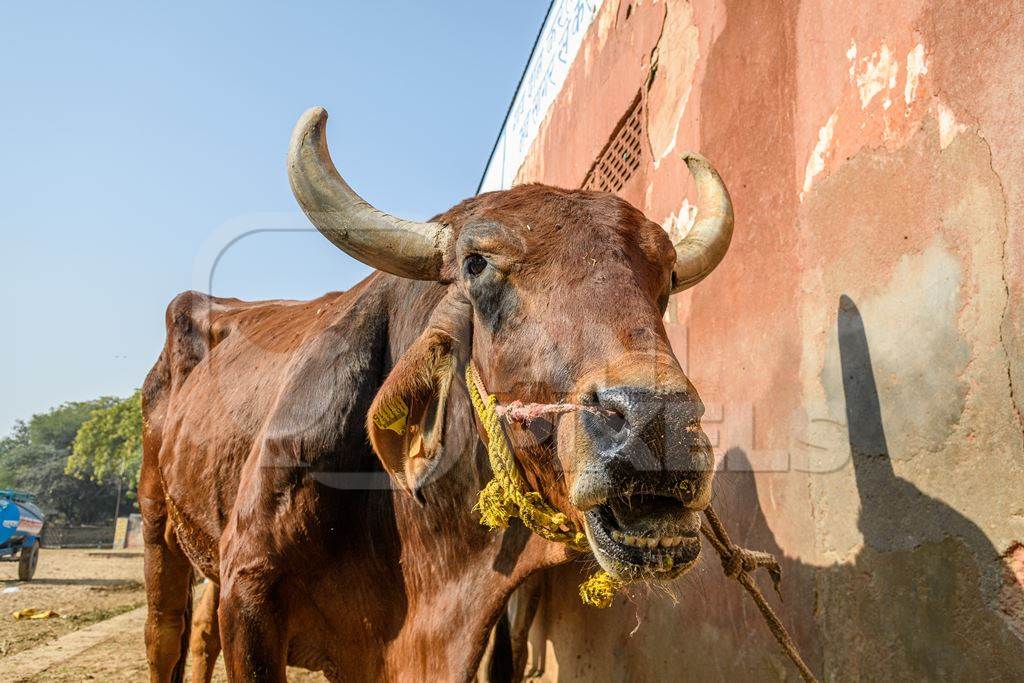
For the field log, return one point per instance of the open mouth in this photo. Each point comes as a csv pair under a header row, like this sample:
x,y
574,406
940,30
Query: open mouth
x,y
644,536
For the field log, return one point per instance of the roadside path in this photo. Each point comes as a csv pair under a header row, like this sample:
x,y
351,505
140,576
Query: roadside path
x,y
24,665
110,651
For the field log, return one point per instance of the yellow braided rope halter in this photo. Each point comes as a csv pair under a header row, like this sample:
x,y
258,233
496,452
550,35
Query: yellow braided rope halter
x,y
505,497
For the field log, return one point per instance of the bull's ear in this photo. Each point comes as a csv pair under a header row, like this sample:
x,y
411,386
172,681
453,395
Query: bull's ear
x,y
406,419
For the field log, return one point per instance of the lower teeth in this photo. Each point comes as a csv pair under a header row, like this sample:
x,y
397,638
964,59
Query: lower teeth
x,y
646,542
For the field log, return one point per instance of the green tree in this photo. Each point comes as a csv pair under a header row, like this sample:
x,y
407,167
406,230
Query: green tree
x,y
59,426
108,446
34,458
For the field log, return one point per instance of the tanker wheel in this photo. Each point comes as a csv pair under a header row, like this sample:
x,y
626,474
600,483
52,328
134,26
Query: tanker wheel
x,y
27,563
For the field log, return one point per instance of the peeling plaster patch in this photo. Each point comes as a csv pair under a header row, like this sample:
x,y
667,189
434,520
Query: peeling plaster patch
x,y
678,225
879,72
816,164
851,54
948,126
676,59
605,24
1011,593
917,353
917,66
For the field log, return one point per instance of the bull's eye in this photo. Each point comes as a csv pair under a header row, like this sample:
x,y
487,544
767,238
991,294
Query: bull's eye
x,y
474,264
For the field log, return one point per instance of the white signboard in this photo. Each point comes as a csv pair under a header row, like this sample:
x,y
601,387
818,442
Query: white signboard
x,y
559,41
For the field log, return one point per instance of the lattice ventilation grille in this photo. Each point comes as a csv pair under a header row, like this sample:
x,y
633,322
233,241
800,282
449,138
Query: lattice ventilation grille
x,y
622,156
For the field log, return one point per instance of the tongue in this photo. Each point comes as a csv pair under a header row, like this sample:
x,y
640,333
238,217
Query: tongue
x,y
652,516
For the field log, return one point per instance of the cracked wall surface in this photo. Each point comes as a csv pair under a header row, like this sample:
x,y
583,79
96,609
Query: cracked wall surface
x,y
869,317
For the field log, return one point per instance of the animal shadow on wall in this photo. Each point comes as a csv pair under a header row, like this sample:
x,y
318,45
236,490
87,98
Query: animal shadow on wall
x,y
927,597
927,586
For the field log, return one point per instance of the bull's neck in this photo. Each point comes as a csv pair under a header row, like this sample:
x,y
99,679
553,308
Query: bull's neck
x,y
455,571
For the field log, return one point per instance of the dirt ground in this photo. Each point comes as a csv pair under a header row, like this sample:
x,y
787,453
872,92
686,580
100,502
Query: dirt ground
x,y
83,586
100,597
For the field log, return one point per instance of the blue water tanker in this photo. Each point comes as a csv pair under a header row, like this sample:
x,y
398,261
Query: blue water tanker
x,y
21,525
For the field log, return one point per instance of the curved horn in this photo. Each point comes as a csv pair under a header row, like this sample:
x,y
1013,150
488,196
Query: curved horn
x,y
404,248
705,245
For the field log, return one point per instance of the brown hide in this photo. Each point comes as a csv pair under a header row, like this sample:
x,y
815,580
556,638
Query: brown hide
x,y
258,468
368,583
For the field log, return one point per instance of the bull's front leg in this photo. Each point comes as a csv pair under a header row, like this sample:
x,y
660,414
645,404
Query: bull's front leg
x,y
253,620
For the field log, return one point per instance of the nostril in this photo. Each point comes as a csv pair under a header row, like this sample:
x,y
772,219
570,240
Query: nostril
x,y
609,417
615,407
616,421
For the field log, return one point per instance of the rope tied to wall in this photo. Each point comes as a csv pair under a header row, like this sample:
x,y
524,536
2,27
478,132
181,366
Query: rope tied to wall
x,y
738,563
506,496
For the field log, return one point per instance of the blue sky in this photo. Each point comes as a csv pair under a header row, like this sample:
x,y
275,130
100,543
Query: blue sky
x,y
134,136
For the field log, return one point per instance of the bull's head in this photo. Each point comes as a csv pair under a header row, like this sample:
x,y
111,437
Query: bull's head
x,y
560,296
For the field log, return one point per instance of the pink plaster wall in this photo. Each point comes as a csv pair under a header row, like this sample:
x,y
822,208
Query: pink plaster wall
x,y
865,328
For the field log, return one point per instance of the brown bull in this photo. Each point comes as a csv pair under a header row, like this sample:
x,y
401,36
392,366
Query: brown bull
x,y
262,471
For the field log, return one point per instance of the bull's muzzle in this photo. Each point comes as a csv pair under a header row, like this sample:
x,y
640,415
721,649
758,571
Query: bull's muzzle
x,y
646,475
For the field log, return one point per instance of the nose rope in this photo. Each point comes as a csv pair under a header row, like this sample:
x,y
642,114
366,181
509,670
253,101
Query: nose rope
x,y
517,411
506,496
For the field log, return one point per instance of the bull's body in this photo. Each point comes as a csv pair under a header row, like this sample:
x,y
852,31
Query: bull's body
x,y
254,413
274,430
